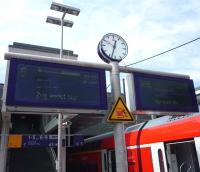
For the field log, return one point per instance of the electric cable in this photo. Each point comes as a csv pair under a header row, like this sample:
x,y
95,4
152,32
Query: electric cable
x,y
179,46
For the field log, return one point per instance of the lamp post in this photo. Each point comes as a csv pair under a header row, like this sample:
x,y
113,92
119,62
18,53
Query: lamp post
x,y
53,20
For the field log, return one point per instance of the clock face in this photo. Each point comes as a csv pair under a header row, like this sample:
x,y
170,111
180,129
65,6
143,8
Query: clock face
x,y
113,47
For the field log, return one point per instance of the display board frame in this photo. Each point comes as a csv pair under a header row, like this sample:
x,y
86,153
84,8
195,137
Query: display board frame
x,y
135,94
15,106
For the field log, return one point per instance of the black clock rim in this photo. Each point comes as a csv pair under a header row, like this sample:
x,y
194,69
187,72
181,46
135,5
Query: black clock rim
x,y
119,37
102,56
114,34
106,56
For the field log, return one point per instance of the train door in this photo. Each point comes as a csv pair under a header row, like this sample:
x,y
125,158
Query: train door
x,y
197,145
111,160
104,157
182,156
158,157
108,161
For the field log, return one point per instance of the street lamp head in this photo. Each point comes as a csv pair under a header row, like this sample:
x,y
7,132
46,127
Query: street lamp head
x,y
65,9
57,21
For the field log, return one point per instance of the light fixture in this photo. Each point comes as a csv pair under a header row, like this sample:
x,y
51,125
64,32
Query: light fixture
x,y
57,21
65,9
61,167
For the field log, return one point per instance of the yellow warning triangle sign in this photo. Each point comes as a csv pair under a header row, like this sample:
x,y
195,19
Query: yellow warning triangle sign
x,y
120,112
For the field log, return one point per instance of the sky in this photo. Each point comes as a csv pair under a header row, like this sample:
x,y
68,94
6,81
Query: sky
x,y
148,26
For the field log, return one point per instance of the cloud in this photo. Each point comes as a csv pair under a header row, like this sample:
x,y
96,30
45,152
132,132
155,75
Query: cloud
x,y
148,26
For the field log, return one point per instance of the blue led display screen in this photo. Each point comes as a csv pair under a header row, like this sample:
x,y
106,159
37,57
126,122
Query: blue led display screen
x,y
39,141
44,84
163,93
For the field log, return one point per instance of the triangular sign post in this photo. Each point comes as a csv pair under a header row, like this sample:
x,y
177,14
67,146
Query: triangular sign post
x,y
120,112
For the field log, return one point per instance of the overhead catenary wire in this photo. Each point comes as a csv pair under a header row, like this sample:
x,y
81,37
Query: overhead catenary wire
x,y
179,46
148,58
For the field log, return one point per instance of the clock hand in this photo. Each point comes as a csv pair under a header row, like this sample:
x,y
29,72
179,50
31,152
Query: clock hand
x,y
114,46
108,42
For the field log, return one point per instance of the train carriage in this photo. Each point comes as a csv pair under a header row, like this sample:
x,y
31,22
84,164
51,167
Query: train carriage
x,y
166,144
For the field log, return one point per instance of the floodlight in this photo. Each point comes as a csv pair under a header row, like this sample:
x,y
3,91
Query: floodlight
x,y
65,9
57,21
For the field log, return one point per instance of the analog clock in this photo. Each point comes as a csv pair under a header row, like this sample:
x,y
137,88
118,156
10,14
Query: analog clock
x,y
112,47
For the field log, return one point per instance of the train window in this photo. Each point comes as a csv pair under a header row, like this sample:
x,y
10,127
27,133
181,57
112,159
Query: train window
x,y
182,156
161,161
105,162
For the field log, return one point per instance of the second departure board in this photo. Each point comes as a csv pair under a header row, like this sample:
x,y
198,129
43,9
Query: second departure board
x,y
164,93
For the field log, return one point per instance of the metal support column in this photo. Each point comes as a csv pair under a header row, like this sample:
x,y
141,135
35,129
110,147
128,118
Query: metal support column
x,y
64,148
61,166
120,145
59,156
69,123
6,117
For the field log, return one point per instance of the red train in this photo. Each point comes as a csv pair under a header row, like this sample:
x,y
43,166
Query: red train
x,y
166,144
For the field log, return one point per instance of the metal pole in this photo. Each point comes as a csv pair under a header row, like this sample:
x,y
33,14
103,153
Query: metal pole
x,y
61,47
6,117
64,149
60,116
60,120
68,130
6,120
120,145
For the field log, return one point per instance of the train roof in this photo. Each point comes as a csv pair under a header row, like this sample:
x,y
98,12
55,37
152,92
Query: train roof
x,y
160,121
151,123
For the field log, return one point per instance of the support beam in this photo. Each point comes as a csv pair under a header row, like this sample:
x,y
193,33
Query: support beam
x,y
6,118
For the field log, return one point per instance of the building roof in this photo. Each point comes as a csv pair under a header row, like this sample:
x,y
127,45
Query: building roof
x,y
41,49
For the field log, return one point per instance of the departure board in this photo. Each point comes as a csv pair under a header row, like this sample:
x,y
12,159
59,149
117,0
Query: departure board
x,y
163,93
44,84
39,141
